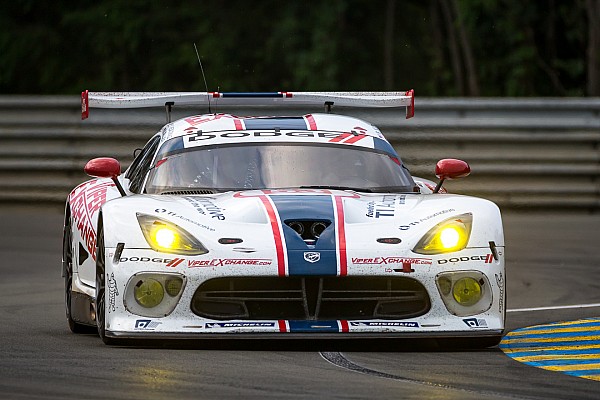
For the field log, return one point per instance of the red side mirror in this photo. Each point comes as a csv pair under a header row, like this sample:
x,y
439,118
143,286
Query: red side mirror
x,y
103,167
451,168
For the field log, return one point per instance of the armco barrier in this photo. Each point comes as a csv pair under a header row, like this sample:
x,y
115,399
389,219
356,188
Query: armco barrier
x,y
524,153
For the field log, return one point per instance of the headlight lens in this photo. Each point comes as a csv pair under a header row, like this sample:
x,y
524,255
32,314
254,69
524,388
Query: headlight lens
x,y
447,236
166,237
466,291
148,292
153,294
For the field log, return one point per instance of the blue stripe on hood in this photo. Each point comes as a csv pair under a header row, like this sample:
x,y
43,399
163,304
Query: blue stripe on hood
x,y
308,207
297,123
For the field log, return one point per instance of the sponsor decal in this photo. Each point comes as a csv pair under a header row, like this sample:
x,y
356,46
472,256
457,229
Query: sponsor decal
x,y
487,259
146,324
475,323
408,226
312,256
384,207
500,283
216,262
240,325
158,260
175,262
391,260
222,262
407,263
85,201
206,206
348,138
196,137
183,218
113,292
399,324
200,119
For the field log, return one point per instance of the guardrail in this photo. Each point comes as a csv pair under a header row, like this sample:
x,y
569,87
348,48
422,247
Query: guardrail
x,y
524,153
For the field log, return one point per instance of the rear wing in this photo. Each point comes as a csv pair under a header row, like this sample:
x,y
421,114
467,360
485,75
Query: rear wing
x,y
169,99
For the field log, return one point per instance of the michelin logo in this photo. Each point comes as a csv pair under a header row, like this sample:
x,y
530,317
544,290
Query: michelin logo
x,y
241,325
386,324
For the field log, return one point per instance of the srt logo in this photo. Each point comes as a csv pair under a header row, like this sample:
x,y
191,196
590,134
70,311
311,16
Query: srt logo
x,y
312,256
146,324
475,323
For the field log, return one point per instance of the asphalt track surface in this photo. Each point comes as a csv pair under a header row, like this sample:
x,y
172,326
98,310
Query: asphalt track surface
x,y
552,260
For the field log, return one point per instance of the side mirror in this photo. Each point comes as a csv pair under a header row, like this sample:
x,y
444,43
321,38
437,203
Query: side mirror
x,y
105,167
450,168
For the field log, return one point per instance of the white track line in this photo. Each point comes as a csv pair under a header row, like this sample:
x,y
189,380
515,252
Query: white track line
x,y
554,307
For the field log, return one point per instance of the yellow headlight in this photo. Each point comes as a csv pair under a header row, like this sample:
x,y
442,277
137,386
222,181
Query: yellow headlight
x,y
466,291
447,236
450,237
167,237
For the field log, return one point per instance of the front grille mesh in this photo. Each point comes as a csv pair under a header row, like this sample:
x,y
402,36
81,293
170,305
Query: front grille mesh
x,y
310,298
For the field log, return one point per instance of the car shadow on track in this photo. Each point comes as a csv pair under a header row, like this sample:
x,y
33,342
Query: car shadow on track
x,y
311,345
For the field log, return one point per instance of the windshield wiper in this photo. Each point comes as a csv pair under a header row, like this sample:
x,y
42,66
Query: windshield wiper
x,y
337,188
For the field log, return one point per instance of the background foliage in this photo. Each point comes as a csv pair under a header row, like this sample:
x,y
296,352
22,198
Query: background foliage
x,y
437,47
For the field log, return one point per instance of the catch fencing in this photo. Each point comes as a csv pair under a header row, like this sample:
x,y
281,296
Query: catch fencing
x,y
524,153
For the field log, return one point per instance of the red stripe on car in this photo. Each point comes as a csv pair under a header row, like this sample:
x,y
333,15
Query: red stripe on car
x,y
355,138
282,326
344,325
276,234
312,124
341,231
238,124
175,262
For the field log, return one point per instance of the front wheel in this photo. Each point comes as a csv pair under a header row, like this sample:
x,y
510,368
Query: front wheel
x,y
74,326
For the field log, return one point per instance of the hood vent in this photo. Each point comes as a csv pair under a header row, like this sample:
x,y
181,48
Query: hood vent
x,y
189,192
308,230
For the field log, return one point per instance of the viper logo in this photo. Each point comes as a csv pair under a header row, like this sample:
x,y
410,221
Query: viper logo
x,y
312,256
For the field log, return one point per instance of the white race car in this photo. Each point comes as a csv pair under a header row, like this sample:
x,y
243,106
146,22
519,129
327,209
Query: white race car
x,y
278,227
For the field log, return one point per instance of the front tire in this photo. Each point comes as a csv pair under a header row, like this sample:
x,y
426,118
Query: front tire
x,y
74,326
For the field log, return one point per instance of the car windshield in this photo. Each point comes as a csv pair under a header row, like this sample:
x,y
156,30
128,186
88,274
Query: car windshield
x,y
276,166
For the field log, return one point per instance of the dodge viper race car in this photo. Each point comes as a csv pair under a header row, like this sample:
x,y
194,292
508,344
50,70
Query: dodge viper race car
x,y
304,226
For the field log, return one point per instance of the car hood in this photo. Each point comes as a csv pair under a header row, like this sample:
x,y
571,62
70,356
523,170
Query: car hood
x,y
261,223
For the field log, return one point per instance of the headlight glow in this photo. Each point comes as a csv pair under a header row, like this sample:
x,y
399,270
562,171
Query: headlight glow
x,y
450,237
447,236
166,237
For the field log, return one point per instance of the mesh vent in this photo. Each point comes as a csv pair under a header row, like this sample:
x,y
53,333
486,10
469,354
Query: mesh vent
x,y
189,192
310,298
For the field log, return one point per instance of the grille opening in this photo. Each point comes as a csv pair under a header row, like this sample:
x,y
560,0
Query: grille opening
x,y
310,298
